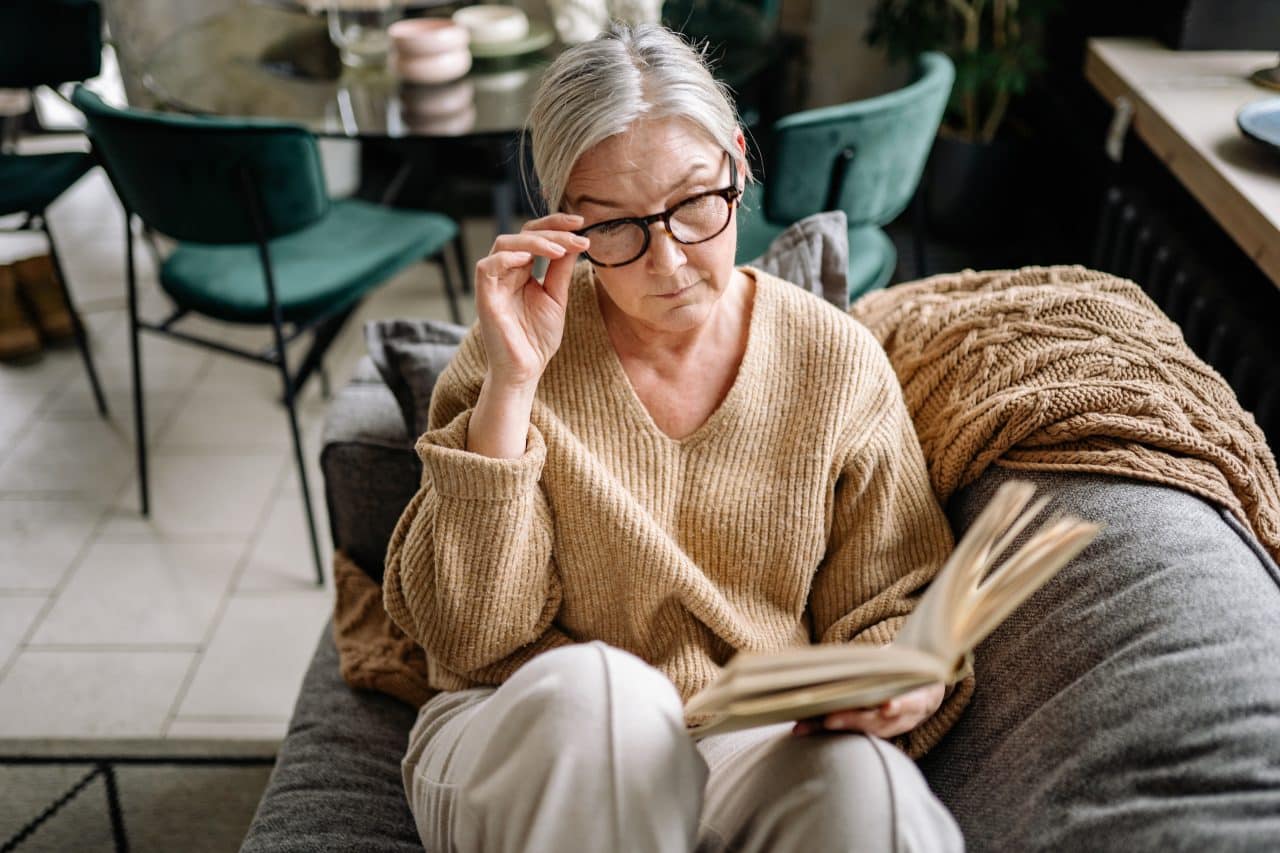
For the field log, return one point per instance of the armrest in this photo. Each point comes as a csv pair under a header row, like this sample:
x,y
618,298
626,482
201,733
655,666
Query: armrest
x,y
336,784
1135,699
370,469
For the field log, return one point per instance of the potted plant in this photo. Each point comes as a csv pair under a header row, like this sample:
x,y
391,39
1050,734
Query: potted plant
x,y
979,155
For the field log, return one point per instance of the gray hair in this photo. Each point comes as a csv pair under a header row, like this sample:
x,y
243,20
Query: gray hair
x,y
599,88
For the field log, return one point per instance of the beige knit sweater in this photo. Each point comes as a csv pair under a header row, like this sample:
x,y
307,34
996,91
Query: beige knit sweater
x,y
800,512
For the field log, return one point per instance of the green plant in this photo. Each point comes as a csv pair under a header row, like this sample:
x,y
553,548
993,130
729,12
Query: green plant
x,y
995,45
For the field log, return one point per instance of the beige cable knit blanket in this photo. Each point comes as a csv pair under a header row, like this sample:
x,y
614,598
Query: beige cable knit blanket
x,y
1068,369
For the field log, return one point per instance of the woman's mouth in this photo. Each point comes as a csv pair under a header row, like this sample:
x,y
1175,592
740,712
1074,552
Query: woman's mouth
x,y
673,294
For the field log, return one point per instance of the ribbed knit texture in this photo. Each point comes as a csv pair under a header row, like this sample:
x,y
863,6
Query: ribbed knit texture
x,y
1068,369
801,511
373,654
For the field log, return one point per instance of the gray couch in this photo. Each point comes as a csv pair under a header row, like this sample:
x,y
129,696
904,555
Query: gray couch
x,y
1132,704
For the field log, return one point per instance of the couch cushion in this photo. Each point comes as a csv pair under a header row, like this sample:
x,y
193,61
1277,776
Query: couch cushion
x,y
1134,702
813,253
410,355
336,784
370,470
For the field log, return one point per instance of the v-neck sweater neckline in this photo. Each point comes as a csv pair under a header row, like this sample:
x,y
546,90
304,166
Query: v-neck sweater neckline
x,y
614,375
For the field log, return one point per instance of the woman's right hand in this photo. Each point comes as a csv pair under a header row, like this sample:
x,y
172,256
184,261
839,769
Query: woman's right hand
x,y
522,319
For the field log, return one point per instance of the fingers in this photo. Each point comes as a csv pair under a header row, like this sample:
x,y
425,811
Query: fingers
x,y
550,237
555,222
496,265
556,281
897,716
557,229
806,727
868,721
854,720
548,244
890,719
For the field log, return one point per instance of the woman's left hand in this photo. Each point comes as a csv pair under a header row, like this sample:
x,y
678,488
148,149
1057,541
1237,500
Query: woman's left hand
x,y
898,716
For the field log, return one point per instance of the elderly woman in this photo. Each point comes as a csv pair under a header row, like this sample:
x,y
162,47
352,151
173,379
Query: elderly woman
x,y
637,466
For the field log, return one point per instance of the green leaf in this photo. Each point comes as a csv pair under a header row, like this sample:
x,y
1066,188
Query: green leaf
x,y
906,28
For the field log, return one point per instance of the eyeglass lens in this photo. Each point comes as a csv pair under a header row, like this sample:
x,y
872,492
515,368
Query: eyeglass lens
x,y
693,221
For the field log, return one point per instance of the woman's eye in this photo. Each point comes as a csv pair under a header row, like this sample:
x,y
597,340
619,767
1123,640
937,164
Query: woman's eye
x,y
610,229
700,205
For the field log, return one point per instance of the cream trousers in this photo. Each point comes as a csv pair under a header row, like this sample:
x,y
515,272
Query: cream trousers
x,y
584,749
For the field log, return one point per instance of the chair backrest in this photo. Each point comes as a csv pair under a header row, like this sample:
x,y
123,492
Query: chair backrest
x,y
864,157
47,42
769,9
197,178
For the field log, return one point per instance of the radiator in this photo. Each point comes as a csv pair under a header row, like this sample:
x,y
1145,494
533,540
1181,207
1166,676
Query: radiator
x,y
1232,331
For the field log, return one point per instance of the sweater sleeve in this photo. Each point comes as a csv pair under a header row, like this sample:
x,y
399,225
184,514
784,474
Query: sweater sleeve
x,y
888,539
470,573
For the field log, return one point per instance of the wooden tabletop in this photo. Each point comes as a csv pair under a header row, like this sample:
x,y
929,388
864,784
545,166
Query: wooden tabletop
x,y
1185,105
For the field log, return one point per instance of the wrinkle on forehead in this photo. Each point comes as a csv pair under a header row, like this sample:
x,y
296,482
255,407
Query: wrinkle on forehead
x,y
641,165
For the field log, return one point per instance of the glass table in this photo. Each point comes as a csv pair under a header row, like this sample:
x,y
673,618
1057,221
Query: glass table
x,y
272,62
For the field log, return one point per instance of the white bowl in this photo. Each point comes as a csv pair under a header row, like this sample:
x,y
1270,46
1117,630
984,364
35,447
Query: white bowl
x,y
425,36
452,124
433,67
490,24
501,81
434,101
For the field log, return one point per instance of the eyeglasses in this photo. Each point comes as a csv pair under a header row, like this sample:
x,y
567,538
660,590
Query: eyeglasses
x,y
697,219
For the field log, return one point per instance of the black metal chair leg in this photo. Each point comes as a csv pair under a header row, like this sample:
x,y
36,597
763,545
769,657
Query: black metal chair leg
x,y
82,340
464,268
253,201
392,191
299,456
460,252
139,413
322,338
454,312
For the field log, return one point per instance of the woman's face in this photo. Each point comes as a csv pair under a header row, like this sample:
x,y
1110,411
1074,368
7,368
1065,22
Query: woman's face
x,y
651,167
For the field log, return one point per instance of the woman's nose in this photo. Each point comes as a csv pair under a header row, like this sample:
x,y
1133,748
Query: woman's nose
x,y
665,254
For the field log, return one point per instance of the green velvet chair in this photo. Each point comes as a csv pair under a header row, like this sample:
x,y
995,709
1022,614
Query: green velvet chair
x,y
864,157
46,43
259,240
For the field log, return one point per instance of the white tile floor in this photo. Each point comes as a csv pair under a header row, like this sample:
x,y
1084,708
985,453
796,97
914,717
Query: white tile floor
x,y
194,624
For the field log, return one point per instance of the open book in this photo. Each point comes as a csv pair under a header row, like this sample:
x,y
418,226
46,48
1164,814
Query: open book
x,y
963,604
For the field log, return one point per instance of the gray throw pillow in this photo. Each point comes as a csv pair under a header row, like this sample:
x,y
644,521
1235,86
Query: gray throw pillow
x,y
410,356
813,253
